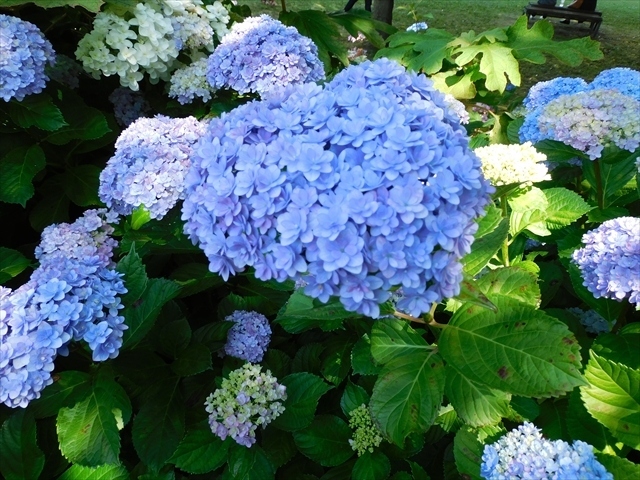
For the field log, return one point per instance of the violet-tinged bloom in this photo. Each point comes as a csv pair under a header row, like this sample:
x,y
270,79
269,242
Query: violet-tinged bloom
x,y
625,80
610,260
190,81
249,338
261,54
150,164
24,54
328,185
524,453
128,106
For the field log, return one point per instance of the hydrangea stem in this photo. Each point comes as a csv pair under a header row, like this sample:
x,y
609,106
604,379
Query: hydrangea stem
x,y
284,5
505,243
599,193
429,320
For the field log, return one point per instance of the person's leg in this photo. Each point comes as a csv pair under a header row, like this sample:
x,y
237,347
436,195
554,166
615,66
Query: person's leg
x,y
349,5
367,5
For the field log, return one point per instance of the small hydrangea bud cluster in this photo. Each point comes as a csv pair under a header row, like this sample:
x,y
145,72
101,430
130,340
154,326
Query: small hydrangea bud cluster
x,y
261,54
249,338
150,39
72,295
66,71
417,27
128,106
523,453
358,188
190,82
24,54
366,436
246,400
591,320
509,164
610,260
150,164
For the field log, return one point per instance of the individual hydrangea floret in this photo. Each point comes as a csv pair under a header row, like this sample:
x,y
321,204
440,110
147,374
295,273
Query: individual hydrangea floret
x,y
610,260
524,453
510,164
591,320
190,82
590,121
261,54
128,106
366,436
417,27
24,54
73,295
246,400
249,338
150,164
625,80
358,188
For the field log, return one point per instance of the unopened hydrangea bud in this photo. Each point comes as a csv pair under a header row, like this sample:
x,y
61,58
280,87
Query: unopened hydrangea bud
x,y
366,436
524,454
247,399
513,164
249,338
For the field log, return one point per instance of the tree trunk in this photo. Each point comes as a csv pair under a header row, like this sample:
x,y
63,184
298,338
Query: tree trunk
x,y
383,11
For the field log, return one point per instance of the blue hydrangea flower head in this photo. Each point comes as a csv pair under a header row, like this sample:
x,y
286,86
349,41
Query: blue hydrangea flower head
x,y
260,54
128,106
623,79
610,260
357,188
66,71
24,54
249,338
591,320
149,167
523,453
417,27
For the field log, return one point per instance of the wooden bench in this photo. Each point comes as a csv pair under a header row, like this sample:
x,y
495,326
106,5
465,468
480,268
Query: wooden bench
x,y
594,18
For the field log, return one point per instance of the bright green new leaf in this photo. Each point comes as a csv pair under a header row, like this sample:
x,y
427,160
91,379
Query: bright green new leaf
x,y
497,63
371,466
91,5
394,338
407,395
563,207
511,282
462,89
489,222
200,451
17,169
529,212
21,458
325,441
484,248
303,392
38,111
519,349
12,263
103,472
612,397
140,217
303,313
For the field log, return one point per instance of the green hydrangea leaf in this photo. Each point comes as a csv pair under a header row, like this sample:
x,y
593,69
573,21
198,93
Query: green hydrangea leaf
x,y
54,205
303,313
353,396
511,282
91,5
529,212
279,446
620,468
371,466
484,248
617,168
249,464
82,183
67,389
394,338
355,22
12,263
582,426
335,359
303,392
468,445
38,111
325,441
84,123
17,170
200,451
497,63
564,207
619,348
362,362
421,52
135,275
21,457
103,472
196,358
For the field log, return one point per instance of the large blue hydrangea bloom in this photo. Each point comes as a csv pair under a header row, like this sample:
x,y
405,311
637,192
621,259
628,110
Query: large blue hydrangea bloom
x,y
151,160
72,295
610,260
524,454
249,337
261,54
356,189
625,80
24,54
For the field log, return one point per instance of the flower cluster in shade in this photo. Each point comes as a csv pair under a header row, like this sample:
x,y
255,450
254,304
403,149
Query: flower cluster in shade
x,y
150,164
261,54
190,82
417,27
591,320
66,71
360,187
128,106
24,55
524,453
610,260
586,116
149,39
73,295
509,164
249,338
366,436
249,398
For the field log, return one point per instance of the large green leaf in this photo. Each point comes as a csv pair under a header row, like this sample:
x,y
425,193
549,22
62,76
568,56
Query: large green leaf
x,y
82,183
616,168
67,389
85,123
558,151
135,275
613,397
497,63
362,362
103,472
325,441
303,392
619,348
424,51
200,451
476,404
564,207
511,282
303,313
12,263
17,169
371,466
529,212
21,458
336,359
468,446
517,349
393,338
38,111
484,248
279,446
620,468
582,426
91,5
533,44
353,397
196,358
249,464
358,21
407,395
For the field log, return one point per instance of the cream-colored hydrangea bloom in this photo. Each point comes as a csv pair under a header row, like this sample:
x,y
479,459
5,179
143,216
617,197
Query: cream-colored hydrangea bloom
x,y
507,164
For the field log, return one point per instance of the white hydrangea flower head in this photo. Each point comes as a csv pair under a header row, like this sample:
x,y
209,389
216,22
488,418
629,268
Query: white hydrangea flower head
x,y
190,81
509,164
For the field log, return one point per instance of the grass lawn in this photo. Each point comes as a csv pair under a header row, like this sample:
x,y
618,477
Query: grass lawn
x,y
619,33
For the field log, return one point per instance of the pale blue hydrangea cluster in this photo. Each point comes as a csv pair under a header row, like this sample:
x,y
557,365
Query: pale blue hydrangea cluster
x,y
24,54
246,400
73,295
128,106
249,338
190,82
591,320
260,54
417,27
524,453
610,260
625,80
150,164
357,188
